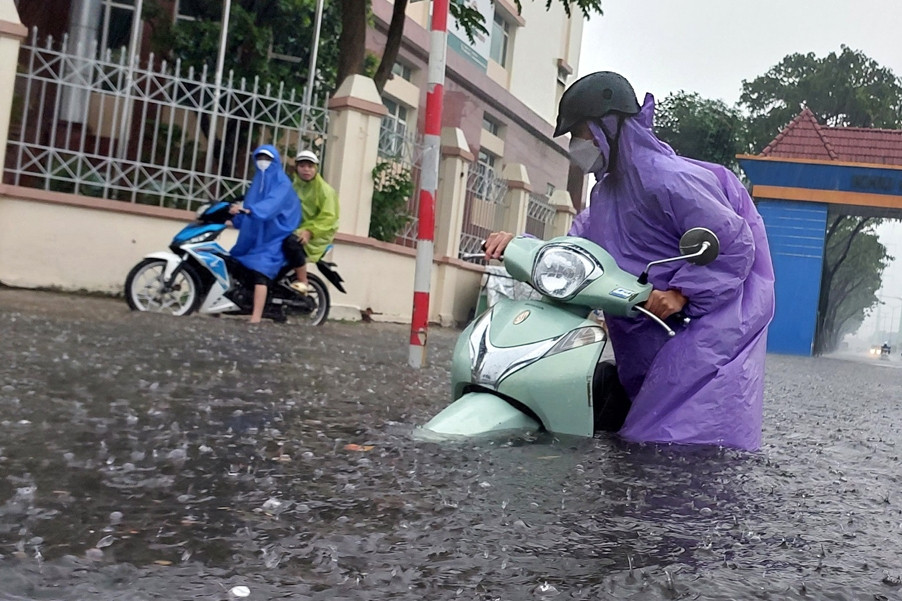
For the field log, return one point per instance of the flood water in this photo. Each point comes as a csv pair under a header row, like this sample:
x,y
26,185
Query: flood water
x,y
144,457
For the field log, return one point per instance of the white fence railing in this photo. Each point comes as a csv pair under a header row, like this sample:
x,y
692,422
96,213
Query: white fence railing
x,y
404,150
484,208
99,126
539,216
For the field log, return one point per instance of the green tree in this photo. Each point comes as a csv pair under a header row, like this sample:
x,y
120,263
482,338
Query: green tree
x,y
393,189
707,130
854,260
843,90
269,39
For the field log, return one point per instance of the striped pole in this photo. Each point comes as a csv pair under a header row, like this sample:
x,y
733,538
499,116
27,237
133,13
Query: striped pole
x,y
422,281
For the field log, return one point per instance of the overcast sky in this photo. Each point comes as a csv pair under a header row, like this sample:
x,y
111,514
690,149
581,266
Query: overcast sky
x,y
710,46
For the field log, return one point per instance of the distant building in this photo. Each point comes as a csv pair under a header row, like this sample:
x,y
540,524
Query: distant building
x,y
502,90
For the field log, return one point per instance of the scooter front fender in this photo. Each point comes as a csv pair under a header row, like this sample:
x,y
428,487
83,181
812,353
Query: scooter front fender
x,y
172,261
479,414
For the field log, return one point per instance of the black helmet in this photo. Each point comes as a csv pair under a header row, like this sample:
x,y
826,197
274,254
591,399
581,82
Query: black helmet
x,y
593,97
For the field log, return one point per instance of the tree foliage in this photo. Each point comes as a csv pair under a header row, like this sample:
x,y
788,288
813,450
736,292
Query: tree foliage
x,y
269,39
393,189
845,89
707,130
854,260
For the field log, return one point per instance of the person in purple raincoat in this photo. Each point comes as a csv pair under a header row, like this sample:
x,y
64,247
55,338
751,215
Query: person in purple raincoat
x,y
705,385
270,212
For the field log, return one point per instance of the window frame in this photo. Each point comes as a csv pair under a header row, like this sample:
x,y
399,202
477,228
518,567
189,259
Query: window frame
x,y
500,23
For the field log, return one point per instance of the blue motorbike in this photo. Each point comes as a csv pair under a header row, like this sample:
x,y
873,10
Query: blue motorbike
x,y
197,274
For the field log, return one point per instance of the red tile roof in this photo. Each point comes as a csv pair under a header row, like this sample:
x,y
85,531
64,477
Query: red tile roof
x,y
804,138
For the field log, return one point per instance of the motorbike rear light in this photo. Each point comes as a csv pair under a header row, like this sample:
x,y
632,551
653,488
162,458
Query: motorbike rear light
x,y
576,339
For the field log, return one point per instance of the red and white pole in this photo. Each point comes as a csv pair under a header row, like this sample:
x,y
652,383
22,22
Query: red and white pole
x,y
422,280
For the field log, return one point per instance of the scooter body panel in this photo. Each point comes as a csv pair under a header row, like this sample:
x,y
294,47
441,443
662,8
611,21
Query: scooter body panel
x,y
558,389
510,349
480,413
516,323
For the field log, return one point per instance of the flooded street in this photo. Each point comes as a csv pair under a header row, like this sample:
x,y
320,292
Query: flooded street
x,y
146,457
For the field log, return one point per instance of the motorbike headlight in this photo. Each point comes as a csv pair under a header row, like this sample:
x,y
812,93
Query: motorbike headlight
x,y
205,237
560,271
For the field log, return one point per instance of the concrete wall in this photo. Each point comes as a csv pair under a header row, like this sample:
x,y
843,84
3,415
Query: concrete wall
x,y
76,243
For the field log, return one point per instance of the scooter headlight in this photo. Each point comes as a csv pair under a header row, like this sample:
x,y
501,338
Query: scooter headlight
x,y
205,237
562,271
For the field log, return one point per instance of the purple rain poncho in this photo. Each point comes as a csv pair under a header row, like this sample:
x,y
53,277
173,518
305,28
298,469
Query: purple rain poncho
x,y
275,212
704,385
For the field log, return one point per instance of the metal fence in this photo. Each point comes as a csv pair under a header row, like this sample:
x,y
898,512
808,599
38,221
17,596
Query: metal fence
x,y
539,216
484,207
103,126
401,154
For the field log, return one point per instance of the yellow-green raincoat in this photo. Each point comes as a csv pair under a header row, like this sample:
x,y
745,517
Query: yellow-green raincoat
x,y
319,205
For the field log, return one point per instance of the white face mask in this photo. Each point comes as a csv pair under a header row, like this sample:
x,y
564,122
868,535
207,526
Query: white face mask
x,y
263,163
585,155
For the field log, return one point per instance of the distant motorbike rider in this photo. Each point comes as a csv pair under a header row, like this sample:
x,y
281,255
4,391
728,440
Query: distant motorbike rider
x,y
319,208
271,210
706,384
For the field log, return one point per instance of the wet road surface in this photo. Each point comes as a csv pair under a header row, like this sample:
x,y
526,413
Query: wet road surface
x,y
145,457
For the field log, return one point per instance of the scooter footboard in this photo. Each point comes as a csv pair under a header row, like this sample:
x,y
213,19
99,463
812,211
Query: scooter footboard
x,y
478,414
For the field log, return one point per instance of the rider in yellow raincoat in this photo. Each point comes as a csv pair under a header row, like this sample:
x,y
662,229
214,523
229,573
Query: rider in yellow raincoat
x,y
319,205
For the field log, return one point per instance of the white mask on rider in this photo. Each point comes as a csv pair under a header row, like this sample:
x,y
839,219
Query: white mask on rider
x,y
593,156
587,156
263,162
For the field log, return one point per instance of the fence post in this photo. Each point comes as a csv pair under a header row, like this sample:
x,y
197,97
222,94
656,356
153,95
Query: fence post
x,y
516,199
352,150
452,191
564,212
12,32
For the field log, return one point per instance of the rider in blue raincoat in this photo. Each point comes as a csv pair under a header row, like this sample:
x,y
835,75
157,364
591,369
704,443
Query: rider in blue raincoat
x,y
270,212
705,385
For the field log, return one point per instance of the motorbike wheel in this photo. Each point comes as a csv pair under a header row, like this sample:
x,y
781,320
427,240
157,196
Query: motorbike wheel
x,y
312,310
144,290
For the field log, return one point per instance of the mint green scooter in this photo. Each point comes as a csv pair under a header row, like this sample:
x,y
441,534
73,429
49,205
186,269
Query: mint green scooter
x,y
535,364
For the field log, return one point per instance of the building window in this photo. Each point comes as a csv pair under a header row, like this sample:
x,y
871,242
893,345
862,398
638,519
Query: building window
x,y
491,126
485,162
487,184
549,190
500,40
393,133
116,25
403,71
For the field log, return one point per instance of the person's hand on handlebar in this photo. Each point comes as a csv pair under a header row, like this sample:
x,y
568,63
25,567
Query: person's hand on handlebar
x,y
495,244
665,303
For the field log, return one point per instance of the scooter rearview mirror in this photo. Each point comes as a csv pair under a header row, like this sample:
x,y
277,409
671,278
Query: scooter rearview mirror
x,y
700,246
